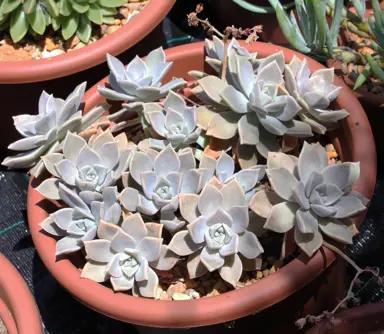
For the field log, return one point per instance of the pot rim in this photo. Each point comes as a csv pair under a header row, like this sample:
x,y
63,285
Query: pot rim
x,y
18,299
91,55
235,304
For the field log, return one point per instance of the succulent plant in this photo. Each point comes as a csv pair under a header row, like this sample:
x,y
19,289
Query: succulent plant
x,y
88,167
140,81
216,232
311,196
125,256
257,112
44,132
161,177
314,93
224,169
19,16
77,16
175,122
78,222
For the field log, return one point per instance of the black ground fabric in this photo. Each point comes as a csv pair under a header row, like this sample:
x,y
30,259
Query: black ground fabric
x,y
62,314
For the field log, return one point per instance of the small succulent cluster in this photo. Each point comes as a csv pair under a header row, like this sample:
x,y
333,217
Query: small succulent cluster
x,y
190,168
69,16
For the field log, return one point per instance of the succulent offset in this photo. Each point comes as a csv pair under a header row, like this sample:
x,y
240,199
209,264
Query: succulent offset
x,y
89,167
44,132
311,196
216,232
78,222
140,80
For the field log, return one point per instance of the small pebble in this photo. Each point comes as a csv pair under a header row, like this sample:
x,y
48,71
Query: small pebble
x,y
266,273
180,296
259,275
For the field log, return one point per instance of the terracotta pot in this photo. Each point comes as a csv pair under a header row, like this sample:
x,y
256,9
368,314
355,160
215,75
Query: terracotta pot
x,y
25,80
373,105
366,319
18,309
227,13
354,142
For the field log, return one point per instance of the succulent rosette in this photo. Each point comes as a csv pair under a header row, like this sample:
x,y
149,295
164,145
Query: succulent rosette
x,y
176,122
79,221
125,256
255,106
217,232
88,167
223,169
161,177
310,196
141,80
43,132
314,93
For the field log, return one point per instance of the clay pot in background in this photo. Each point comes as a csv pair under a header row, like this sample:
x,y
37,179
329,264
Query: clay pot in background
x,y
227,13
21,83
373,105
366,319
18,309
300,287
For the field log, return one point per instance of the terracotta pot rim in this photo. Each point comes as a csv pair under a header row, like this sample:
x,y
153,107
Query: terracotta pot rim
x,y
91,55
17,297
201,312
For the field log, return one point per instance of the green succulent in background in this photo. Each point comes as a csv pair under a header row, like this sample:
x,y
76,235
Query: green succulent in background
x,y
21,16
77,16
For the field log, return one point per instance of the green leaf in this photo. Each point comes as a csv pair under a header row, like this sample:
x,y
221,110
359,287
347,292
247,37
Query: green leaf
x,y
335,26
37,20
377,12
108,19
322,26
363,76
65,7
29,6
303,19
108,11
288,29
69,25
84,30
360,8
375,67
52,7
56,22
79,7
94,14
112,3
10,5
19,25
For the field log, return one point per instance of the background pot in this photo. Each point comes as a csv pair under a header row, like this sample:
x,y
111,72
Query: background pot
x,y
18,309
366,319
25,80
302,280
373,105
227,13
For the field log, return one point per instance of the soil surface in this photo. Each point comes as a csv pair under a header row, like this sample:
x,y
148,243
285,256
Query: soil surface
x,y
52,43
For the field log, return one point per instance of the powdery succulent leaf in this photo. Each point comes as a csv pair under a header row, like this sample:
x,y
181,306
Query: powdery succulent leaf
x,y
343,175
212,86
249,130
335,229
232,270
308,242
50,226
249,245
121,241
240,218
204,115
211,259
270,74
129,197
167,259
219,217
313,158
134,226
145,206
278,57
95,271
140,163
210,200
149,181
150,248
348,206
67,170
283,182
263,202
106,230
174,101
63,217
182,244
122,283
280,160
50,188
282,217
98,250
50,160
307,221
166,161
195,267
313,181
267,143
68,244
71,198
225,167
198,228
300,197
233,195
246,155
248,178
191,182
245,75
189,206
223,125
235,100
